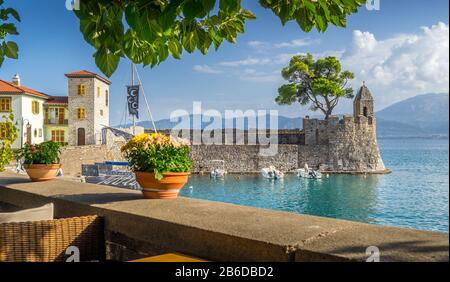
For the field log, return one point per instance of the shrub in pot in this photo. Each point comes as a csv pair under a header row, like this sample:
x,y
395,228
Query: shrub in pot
x,y
8,134
41,161
161,164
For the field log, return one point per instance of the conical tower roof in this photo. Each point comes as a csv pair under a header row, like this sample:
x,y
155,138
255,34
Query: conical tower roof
x,y
364,93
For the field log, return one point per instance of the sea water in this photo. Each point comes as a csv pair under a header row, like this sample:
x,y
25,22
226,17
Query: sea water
x,y
414,195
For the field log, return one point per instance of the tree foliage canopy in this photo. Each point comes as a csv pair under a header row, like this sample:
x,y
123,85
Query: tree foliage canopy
x,y
148,31
8,17
320,83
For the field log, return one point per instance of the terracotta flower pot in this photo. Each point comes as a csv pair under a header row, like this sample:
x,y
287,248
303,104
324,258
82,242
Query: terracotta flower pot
x,y
42,172
167,188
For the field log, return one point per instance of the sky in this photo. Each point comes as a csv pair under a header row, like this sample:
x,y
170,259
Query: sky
x,y
400,51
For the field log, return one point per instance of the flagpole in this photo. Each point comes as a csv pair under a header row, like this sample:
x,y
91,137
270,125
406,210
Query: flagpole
x,y
132,83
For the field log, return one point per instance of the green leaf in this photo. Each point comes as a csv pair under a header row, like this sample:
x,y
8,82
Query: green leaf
x,y
132,17
230,6
190,41
169,14
175,48
10,49
321,23
208,5
107,62
9,28
248,15
192,9
163,53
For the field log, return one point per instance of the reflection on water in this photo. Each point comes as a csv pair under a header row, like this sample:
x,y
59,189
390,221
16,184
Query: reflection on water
x,y
414,195
346,197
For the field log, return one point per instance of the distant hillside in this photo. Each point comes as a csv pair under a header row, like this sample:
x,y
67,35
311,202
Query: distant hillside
x,y
422,115
389,128
283,123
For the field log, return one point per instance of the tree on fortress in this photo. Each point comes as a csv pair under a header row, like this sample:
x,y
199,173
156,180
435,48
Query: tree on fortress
x,y
320,83
147,31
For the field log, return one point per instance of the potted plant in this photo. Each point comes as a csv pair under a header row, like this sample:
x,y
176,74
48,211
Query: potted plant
x,y
161,164
41,161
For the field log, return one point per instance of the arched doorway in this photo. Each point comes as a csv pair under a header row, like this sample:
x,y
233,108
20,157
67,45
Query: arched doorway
x,y
81,137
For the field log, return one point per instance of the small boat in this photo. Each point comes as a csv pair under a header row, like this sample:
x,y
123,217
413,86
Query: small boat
x,y
272,173
309,173
218,173
218,170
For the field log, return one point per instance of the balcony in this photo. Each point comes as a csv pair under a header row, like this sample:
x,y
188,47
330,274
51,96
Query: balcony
x,y
56,122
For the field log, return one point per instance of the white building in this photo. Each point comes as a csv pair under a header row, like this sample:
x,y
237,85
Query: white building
x,y
76,119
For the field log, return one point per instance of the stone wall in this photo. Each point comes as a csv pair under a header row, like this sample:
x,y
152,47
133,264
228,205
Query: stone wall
x,y
73,157
343,145
354,147
94,103
314,155
242,137
77,101
243,158
347,145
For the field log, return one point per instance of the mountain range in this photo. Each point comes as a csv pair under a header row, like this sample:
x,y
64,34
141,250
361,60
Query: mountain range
x,y
422,115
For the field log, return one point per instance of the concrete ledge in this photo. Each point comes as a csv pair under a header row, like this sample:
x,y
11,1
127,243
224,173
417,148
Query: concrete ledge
x,y
217,231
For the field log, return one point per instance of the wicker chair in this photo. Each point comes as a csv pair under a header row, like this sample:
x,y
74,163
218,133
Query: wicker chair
x,y
47,241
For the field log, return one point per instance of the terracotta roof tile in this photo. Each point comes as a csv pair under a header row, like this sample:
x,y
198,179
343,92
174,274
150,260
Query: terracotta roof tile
x,y
58,100
85,73
8,87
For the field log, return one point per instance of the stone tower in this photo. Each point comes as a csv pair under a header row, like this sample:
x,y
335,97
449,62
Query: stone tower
x,y
363,103
88,107
344,145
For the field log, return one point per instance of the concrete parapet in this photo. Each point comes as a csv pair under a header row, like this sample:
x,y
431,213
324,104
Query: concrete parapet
x,y
137,228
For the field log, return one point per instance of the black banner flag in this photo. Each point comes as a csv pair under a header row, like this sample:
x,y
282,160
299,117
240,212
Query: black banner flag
x,y
133,100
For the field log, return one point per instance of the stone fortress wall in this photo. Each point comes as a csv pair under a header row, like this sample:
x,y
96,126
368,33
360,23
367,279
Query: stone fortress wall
x,y
347,145
336,145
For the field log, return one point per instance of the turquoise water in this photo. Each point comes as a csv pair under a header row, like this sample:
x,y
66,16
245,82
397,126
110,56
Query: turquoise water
x,y
415,195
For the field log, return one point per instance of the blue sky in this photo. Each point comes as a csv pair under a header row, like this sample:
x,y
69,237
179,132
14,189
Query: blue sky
x,y
401,51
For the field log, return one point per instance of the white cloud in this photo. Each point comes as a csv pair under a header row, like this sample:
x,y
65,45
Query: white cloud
x,y
297,43
284,58
206,69
261,77
257,44
246,62
402,66
250,74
